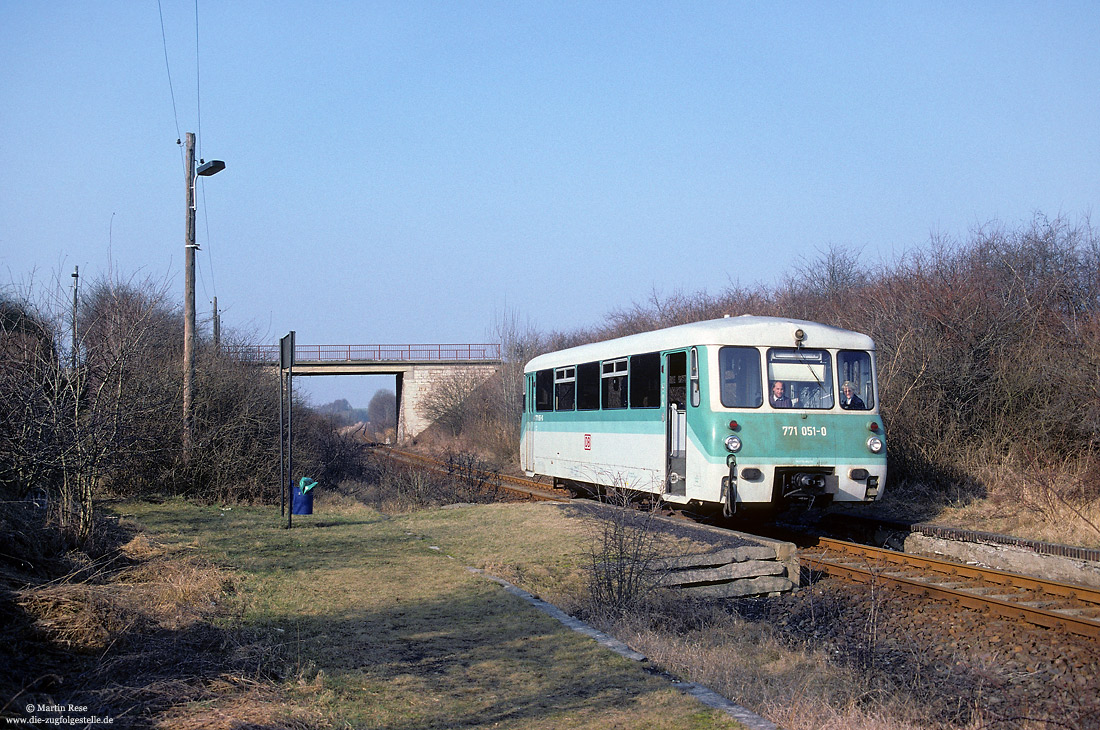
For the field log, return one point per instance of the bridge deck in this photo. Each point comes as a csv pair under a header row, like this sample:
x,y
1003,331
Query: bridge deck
x,y
329,359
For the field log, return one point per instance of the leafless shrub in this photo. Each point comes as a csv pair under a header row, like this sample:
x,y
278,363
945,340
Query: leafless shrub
x,y
622,554
94,406
1049,492
71,413
450,401
396,487
472,479
986,347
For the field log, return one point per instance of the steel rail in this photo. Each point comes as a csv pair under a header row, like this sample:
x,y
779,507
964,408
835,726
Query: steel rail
x,y
989,575
523,487
982,594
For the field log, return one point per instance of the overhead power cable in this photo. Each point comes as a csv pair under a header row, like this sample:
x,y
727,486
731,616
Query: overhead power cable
x,y
171,88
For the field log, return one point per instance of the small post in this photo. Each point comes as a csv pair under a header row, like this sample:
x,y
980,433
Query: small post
x,y
290,439
76,286
282,456
286,362
217,329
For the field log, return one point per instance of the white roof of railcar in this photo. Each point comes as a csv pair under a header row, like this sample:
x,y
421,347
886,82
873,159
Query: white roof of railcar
x,y
744,330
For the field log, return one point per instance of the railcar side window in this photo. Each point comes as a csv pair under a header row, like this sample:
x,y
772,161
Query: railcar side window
x,y
739,369
544,390
613,388
565,389
854,367
588,386
806,375
645,380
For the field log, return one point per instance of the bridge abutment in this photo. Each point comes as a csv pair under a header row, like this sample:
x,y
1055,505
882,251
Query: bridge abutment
x,y
434,393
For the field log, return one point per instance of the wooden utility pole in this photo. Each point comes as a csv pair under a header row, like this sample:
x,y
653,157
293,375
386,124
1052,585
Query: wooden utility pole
x,y
189,305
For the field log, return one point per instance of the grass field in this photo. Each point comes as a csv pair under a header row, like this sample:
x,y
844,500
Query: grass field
x,y
356,619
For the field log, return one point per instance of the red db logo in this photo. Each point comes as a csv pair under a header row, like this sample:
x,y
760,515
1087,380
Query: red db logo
x,y
588,442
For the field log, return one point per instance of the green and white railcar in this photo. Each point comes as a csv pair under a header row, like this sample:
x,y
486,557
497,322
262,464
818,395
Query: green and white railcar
x,y
734,411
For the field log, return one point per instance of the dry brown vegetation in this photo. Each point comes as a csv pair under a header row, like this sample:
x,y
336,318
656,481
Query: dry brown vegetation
x,y
394,487
352,619
93,407
131,627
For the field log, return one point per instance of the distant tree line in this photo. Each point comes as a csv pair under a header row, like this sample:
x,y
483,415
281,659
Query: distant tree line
x,y
101,413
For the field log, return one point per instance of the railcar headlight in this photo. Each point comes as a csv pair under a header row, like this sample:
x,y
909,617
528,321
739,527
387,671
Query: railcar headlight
x,y
733,444
874,444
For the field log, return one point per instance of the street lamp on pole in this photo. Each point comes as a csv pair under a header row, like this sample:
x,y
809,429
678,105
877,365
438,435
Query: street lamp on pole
x,y
205,169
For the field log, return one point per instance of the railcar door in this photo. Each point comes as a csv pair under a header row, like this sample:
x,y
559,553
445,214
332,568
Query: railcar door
x,y
676,422
528,434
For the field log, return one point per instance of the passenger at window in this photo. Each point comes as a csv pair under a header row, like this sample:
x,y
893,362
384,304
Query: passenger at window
x,y
849,400
778,399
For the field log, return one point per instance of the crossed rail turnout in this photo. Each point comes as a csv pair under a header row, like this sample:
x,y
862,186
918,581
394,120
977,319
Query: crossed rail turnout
x,y
269,354
1042,602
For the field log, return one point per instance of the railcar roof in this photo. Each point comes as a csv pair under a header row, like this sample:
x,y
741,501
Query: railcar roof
x,y
744,330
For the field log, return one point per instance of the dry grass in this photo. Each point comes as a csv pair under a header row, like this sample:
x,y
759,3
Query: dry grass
x,y
1006,494
798,688
362,620
237,705
138,631
545,549
1059,503
1053,503
357,619
160,591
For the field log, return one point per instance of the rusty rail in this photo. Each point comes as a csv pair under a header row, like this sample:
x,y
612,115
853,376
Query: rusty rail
x,y
1042,602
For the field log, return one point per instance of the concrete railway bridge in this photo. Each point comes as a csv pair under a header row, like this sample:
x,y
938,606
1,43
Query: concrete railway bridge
x,y
419,369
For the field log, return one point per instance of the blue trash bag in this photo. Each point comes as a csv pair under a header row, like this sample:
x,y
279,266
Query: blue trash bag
x,y
301,502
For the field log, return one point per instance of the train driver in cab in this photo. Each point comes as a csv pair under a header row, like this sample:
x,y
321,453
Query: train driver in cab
x,y
778,399
850,400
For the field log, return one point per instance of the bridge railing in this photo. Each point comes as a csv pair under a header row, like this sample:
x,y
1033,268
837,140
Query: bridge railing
x,y
269,354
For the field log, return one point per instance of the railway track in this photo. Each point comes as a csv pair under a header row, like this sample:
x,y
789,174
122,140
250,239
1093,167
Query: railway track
x,y
1051,604
1063,606
513,485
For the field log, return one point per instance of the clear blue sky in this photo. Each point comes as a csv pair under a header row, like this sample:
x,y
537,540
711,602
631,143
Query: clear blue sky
x,y
403,171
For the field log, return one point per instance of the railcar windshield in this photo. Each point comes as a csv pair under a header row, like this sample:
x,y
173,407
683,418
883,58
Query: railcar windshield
x,y
806,377
740,372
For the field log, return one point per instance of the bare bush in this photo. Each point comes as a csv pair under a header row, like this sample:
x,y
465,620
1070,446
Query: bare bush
x,y
472,480
397,487
988,349
450,403
622,555
104,414
77,411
